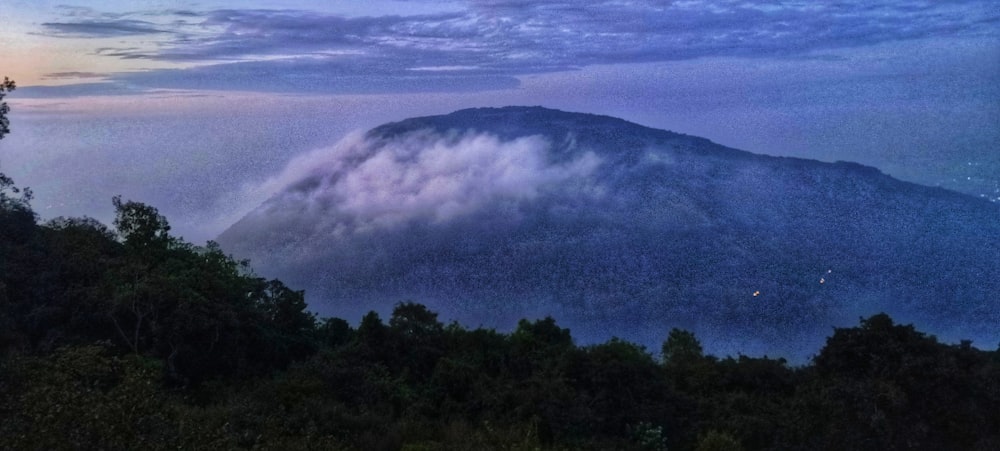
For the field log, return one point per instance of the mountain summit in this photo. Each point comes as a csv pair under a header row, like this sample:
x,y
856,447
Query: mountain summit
x,y
615,229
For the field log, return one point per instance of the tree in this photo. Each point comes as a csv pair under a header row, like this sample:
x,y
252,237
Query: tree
x,y
8,202
681,347
621,385
414,321
137,297
141,226
718,441
418,339
686,363
541,333
371,331
283,308
335,332
883,385
5,87
18,200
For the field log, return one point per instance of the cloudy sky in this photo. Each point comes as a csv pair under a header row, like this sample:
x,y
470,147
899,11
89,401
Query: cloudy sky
x,y
196,106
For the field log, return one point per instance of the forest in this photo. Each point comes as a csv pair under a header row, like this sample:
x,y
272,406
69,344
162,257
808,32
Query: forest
x,y
131,338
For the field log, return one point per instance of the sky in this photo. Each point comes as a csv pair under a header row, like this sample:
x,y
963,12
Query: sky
x,y
197,107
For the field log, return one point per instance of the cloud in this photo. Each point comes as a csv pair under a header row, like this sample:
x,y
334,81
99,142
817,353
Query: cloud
x,y
74,74
348,74
307,165
79,90
247,33
446,179
100,29
529,37
495,40
360,184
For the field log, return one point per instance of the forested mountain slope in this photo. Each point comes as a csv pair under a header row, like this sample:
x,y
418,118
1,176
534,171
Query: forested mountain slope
x,y
491,215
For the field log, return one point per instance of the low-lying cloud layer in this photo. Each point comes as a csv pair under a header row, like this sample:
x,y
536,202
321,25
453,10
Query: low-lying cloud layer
x,y
442,180
361,184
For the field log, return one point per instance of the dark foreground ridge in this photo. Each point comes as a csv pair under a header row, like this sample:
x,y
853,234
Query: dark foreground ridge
x,y
491,215
133,339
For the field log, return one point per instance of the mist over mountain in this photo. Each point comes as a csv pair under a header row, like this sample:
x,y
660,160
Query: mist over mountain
x,y
615,229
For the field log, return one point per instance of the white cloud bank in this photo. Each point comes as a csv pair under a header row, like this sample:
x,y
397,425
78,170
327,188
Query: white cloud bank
x,y
361,183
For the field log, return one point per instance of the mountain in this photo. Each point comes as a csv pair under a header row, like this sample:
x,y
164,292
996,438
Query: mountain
x,y
615,229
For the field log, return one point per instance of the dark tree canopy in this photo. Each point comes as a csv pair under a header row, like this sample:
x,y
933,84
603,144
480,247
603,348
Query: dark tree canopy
x,y
5,87
12,199
681,347
140,225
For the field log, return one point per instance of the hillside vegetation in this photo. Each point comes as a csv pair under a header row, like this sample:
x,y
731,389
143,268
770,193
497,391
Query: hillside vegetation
x,y
129,338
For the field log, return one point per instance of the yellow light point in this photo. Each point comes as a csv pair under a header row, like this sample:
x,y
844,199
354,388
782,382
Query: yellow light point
x,y
822,280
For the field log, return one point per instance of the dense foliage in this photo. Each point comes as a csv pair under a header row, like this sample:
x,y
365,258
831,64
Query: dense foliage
x,y
133,339
6,86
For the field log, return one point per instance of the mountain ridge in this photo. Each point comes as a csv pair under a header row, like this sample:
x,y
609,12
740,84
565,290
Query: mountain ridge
x,y
623,230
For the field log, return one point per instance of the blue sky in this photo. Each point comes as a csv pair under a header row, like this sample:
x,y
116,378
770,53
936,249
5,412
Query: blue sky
x,y
193,105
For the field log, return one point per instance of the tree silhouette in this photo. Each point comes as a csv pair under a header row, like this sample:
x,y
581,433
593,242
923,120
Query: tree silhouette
x,y
6,183
681,348
5,87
